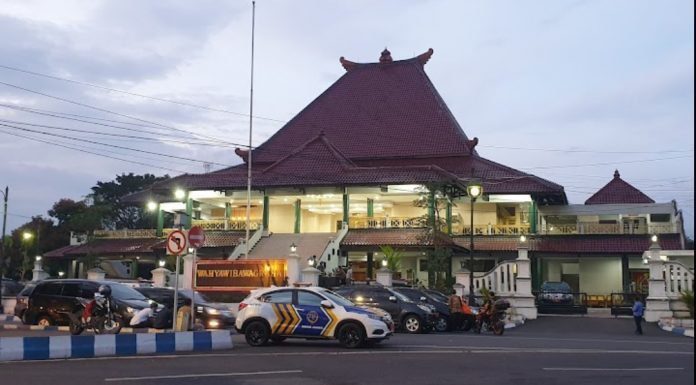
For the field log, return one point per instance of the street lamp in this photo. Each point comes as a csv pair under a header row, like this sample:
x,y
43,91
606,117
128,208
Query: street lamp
x,y
162,262
474,190
179,194
151,206
293,248
27,235
61,274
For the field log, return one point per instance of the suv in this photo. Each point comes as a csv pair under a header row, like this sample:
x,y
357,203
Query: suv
x,y
420,296
312,313
23,300
52,300
408,316
557,293
212,315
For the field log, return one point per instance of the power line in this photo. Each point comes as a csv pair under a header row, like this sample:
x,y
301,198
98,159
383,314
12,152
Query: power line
x,y
92,152
111,145
585,151
181,103
108,111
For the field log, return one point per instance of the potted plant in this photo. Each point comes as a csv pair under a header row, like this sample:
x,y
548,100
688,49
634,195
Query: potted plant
x,y
393,257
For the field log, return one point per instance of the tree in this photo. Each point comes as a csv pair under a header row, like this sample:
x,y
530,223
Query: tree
x,y
118,214
393,257
65,209
434,199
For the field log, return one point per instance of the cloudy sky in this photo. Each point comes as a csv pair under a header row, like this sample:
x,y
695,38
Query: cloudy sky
x,y
567,90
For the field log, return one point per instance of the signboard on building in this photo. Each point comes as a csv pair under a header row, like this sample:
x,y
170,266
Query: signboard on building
x,y
240,274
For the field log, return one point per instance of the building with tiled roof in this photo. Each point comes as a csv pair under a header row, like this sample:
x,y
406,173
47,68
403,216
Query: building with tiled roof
x,y
379,151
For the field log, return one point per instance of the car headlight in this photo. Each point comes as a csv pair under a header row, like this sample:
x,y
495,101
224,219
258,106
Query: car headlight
x,y
212,311
424,308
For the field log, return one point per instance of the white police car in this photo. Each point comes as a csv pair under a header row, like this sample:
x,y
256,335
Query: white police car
x,y
277,313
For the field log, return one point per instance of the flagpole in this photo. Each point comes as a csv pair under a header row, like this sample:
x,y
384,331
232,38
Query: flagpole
x,y
251,125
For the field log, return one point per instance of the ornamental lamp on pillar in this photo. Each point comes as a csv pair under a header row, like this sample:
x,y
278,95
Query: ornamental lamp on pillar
x,y
474,190
151,206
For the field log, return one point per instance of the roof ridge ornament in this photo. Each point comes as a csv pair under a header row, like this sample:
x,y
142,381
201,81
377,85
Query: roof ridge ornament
x,y
425,56
616,174
347,64
385,57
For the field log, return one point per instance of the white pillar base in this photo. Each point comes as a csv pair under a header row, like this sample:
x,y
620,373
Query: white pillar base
x,y
294,273
187,272
310,275
159,277
656,308
96,274
384,277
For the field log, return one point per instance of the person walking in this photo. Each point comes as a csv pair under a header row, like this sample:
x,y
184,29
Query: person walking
x,y
183,317
455,308
349,275
638,310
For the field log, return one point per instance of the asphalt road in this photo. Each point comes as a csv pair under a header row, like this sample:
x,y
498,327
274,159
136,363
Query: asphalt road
x,y
546,351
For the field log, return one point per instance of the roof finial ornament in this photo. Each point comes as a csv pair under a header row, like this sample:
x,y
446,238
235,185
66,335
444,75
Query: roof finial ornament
x,y
385,58
616,174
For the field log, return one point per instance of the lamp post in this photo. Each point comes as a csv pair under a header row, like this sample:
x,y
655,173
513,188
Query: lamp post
x,y
474,190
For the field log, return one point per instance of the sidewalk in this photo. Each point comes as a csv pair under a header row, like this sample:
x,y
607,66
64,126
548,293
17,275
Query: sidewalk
x,y
684,327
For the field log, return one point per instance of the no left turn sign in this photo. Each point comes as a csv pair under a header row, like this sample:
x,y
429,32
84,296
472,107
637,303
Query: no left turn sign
x,y
176,242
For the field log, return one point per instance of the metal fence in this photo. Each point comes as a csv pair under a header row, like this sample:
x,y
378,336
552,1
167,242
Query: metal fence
x,y
622,303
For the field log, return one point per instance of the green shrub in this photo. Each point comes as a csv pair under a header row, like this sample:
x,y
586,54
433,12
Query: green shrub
x,y
687,296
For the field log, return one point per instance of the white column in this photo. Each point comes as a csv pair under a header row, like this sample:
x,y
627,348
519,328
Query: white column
x,y
96,274
522,299
459,289
187,272
159,277
657,303
38,273
310,275
462,277
384,277
294,273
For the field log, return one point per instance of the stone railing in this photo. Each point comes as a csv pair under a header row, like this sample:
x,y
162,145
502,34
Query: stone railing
x,y
678,278
226,224
501,279
668,279
126,233
607,228
496,229
362,222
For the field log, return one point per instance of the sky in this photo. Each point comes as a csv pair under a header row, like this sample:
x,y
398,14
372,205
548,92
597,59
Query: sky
x,y
565,90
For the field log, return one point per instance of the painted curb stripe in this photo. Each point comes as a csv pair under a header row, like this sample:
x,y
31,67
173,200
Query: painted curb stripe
x,y
82,346
126,344
36,348
202,341
165,343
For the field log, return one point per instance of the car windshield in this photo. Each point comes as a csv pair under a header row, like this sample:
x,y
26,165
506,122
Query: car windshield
x,y
437,295
337,298
556,287
413,295
124,292
199,298
399,296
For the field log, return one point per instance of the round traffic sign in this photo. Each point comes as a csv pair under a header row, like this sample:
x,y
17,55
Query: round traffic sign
x,y
196,237
176,242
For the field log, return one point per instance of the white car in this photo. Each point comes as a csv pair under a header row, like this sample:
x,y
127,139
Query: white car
x,y
277,313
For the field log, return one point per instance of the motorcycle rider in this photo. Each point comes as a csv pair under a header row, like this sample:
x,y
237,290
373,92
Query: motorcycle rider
x,y
487,309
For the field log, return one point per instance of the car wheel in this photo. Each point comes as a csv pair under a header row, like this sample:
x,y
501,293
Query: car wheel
x,y
351,336
413,324
257,333
44,320
442,324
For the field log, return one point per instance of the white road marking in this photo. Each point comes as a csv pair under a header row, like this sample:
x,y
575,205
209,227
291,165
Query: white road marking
x,y
484,349
609,369
200,375
633,341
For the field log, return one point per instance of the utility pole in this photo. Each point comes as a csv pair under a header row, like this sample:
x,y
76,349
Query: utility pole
x,y
2,244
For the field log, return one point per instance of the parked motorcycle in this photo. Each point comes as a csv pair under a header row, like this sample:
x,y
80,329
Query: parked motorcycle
x,y
493,319
97,315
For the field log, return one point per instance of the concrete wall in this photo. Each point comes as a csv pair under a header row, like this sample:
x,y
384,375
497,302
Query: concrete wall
x,y
484,213
281,218
406,210
553,270
600,275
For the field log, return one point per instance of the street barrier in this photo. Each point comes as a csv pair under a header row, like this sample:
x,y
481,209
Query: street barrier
x,y
57,347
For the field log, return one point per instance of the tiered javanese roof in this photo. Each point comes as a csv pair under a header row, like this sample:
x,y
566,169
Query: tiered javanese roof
x,y
379,123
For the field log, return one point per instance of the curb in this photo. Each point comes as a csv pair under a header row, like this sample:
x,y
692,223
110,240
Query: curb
x,y
67,328
8,317
57,347
677,330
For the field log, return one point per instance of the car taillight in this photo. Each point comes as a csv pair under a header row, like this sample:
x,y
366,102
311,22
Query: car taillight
x,y
242,305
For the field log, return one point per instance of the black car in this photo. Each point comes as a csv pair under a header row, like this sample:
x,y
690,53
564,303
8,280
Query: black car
x,y
213,315
422,297
408,316
10,287
555,293
53,299
23,300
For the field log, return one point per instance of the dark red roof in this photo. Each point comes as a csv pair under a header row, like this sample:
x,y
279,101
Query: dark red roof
x,y
392,237
618,191
113,246
380,123
574,244
375,110
61,252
